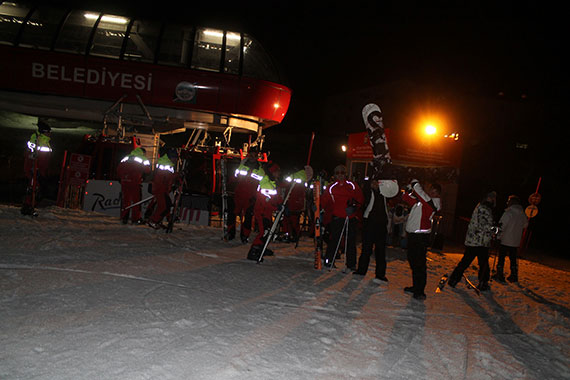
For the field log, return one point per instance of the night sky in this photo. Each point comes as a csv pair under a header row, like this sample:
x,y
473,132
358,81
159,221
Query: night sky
x,y
496,69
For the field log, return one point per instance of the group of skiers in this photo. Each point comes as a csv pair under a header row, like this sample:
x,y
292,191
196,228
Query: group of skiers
x,y
260,191
483,231
132,171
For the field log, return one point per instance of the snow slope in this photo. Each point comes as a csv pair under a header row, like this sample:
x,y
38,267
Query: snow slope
x,y
85,297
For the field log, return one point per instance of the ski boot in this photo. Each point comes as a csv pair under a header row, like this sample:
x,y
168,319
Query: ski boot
x,y
513,278
499,277
254,252
156,226
483,286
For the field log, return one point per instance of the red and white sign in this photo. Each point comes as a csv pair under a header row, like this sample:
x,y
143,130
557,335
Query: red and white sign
x,y
407,150
359,147
534,199
78,171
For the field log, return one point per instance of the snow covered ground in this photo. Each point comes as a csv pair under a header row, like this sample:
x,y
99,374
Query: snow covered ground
x,y
85,297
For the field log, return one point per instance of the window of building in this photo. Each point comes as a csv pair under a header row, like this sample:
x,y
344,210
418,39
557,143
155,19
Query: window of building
x,y
109,36
233,50
207,53
143,38
11,19
175,45
41,28
256,62
75,33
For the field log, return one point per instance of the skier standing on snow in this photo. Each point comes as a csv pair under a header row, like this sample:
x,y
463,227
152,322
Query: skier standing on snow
x,y
248,175
418,227
477,242
36,165
374,230
295,205
163,180
267,201
342,199
131,170
512,223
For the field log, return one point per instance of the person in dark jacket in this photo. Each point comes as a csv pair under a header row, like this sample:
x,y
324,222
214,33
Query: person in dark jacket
x,y
374,230
477,242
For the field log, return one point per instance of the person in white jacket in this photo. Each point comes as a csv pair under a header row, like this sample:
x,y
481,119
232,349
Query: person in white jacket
x,y
512,222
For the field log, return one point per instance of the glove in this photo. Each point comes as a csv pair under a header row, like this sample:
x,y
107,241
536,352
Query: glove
x,y
351,207
410,187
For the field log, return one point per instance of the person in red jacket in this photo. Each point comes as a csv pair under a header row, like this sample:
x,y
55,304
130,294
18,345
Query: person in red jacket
x,y
267,201
162,182
131,171
245,192
342,202
295,205
36,166
418,226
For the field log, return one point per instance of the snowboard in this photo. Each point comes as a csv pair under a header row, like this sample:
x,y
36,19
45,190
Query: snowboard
x,y
442,282
471,285
372,116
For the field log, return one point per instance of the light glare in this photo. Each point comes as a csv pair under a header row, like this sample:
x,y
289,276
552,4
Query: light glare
x,y
430,129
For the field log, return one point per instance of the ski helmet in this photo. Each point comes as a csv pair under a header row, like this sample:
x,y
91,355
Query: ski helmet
x,y
43,127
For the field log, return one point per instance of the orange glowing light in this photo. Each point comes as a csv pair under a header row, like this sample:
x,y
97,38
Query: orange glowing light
x,y
430,129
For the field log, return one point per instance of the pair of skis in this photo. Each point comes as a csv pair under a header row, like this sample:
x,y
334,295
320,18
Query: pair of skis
x,y
443,281
276,222
225,211
318,238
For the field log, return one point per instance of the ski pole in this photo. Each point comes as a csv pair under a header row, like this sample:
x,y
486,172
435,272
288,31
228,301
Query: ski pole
x,y
344,228
310,148
138,203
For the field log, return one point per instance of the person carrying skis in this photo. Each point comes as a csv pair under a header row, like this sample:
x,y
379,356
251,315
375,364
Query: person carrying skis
x,y
295,204
162,182
477,242
418,226
341,202
267,201
512,224
36,165
247,175
131,171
